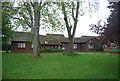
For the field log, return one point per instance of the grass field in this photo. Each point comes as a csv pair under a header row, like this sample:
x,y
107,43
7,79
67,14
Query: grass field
x,y
86,65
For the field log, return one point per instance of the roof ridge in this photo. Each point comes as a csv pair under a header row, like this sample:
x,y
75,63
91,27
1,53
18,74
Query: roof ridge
x,y
53,34
87,36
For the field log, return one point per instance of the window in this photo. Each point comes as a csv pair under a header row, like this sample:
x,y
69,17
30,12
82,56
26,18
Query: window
x,y
32,45
52,46
59,47
56,46
91,46
21,45
75,46
46,42
63,46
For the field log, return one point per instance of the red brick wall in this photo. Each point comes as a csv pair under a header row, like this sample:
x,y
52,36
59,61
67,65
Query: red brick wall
x,y
110,49
46,46
84,46
27,49
15,49
96,44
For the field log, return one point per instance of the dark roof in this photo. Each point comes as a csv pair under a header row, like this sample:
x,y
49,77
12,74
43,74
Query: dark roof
x,y
49,39
54,38
87,38
76,40
82,39
21,36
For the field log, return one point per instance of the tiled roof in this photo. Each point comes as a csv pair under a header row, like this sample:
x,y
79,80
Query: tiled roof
x,y
49,39
87,38
21,36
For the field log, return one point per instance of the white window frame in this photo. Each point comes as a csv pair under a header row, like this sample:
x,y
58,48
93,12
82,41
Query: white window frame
x,y
52,47
32,45
63,46
91,46
75,46
59,47
56,47
21,45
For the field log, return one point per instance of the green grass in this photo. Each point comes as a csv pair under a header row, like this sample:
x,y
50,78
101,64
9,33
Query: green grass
x,y
113,51
86,65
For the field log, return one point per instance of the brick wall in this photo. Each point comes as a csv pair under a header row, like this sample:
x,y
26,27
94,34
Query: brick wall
x,y
28,48
15,49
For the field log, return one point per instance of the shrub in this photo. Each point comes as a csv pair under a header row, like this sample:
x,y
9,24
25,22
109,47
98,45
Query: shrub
x,y
100,49
71,54
6,46
49,49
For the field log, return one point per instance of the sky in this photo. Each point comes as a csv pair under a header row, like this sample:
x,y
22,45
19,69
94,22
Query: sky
x,y
84,21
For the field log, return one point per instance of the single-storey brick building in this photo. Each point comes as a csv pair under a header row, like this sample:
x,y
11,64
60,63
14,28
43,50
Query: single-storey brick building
x,y
21,42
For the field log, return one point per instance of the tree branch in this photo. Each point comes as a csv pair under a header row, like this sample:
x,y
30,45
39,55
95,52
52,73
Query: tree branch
x,y
73,11
75,21
65,19
30,12
32,4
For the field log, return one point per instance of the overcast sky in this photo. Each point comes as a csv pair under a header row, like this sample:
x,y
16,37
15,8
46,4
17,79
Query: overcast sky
x,y
86,20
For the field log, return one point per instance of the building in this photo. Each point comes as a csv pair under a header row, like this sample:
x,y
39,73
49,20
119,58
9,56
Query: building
x,y
21,42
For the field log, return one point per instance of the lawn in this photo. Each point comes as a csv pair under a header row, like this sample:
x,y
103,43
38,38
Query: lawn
x,y
86,65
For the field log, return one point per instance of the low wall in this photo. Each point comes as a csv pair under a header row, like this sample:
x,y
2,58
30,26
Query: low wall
x,y
53,51
110,49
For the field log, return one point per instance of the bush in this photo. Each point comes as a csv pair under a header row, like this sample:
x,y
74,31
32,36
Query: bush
x,y
49,49
100,49
6,46
71,54
118,47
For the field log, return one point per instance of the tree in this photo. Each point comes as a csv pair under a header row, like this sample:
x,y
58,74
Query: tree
x,y
29,13
32,15
6,25
71,10
109,32
71,33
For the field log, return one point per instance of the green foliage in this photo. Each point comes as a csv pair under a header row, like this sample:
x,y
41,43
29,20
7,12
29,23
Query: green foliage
x,y
87,65
6,46
113,51
6,23
70,54
49,49
100,49
118,47
51,18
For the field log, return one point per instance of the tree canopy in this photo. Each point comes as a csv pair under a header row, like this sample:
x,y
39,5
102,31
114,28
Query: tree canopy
x,y
70,13
109,32
6,23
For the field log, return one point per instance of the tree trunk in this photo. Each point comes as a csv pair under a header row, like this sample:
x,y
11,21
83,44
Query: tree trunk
x,y
70,50
35,32
69,27
36,46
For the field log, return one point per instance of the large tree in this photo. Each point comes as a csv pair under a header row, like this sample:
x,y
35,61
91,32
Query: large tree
x,y
28,14
7,26
71,11
109,31
33,15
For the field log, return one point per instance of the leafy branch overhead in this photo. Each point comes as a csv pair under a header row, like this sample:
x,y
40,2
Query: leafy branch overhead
x,y
70,15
